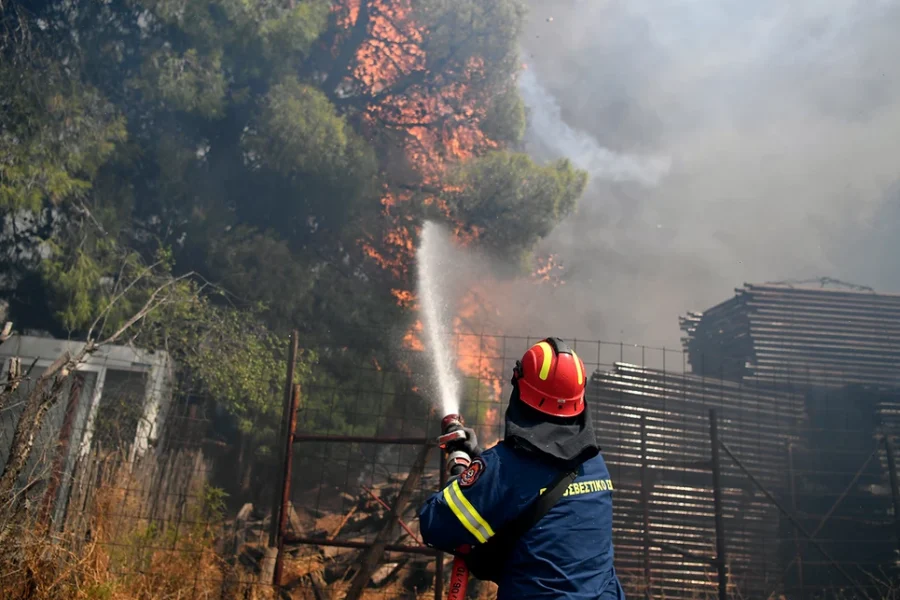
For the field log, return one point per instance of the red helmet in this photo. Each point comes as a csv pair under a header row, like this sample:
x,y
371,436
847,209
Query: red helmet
x,y
550,378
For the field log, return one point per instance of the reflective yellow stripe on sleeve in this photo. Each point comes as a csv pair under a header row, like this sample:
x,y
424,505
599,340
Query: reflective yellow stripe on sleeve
x,y
478,518
466,513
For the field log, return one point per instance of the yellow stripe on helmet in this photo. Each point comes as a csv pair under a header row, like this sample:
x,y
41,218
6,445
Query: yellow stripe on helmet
x,y
548,360
578,367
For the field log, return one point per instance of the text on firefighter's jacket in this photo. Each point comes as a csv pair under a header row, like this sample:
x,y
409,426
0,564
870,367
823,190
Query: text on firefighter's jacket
x,y
587,487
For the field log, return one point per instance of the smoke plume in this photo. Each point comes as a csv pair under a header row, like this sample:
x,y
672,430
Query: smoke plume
x,y
548,126
728,141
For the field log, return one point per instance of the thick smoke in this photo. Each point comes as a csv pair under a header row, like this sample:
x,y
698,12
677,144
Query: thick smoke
x,y
782,124
548,126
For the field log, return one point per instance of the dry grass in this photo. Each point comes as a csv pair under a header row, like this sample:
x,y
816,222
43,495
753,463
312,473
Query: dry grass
x,y
113,553
117,556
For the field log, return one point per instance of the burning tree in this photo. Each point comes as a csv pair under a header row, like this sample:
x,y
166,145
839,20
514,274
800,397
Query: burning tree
x,y
433,84
286,150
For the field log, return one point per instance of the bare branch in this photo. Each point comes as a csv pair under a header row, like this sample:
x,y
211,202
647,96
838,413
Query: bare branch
x,y
116,286
56,366
80,205
41,399
14,377
105,312
149,306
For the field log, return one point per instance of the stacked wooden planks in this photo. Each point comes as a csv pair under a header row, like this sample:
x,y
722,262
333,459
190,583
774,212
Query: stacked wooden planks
x,y
812,335
840,349
756,423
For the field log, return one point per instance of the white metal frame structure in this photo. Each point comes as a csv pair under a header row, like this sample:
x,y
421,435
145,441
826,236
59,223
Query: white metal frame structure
x,y
157,398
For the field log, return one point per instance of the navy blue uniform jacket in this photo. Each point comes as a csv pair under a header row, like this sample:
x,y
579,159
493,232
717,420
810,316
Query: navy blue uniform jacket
x,y
567,555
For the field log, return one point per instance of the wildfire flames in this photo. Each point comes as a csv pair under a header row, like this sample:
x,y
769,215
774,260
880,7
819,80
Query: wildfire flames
x,y
438,117
405,298
549,271
479,356
392,49
413,337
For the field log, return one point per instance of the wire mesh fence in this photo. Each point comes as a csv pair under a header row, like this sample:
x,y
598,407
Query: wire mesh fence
x,y
116,496
157,489
804,509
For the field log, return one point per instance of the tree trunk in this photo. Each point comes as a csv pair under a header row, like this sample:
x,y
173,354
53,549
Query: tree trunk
x,y
245,466
344,60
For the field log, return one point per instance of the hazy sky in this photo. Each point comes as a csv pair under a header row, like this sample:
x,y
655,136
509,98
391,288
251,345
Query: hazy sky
x,y
728,141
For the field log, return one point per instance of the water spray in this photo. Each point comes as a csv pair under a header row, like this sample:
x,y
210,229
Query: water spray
x,y
430,256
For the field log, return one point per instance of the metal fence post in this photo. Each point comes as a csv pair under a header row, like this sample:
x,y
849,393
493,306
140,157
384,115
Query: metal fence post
x,y
645,506
288,390
717,500
895,485
286,483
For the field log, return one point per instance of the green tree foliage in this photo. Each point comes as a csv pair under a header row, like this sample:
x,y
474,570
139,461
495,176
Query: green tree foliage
x,y
55,133
305,149
241,364
464,30
262,270
512,200
258,144
184,82
256,36
505,118
79,280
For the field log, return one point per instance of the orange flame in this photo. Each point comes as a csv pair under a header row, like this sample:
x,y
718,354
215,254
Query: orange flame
x,y
439,120
549,270
404,298
480,357
412,340
392,49
348,14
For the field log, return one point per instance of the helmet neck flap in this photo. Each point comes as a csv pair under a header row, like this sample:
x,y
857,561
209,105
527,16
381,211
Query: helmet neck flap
x,y
564,441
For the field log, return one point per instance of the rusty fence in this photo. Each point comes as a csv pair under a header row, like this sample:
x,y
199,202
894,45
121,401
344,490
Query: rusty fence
x,y
724,488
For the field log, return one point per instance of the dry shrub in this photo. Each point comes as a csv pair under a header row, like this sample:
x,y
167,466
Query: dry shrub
x,y
119,556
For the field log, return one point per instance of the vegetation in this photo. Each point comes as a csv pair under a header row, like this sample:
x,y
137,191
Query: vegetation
x,y
268,163
114,556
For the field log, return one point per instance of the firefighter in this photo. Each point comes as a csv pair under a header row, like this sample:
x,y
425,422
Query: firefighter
x,y
568,552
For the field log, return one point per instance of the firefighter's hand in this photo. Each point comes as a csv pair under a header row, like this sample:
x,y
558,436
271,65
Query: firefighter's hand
x,y
469,445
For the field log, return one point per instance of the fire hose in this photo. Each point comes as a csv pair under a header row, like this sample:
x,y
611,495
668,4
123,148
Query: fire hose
x,y
457,462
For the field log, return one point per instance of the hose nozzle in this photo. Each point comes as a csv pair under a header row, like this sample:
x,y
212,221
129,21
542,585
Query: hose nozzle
x,y
451,431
